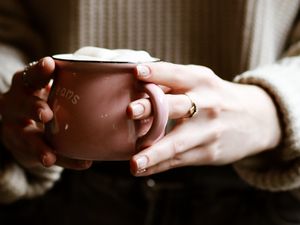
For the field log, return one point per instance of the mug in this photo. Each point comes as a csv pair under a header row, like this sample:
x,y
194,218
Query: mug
x,y
89,100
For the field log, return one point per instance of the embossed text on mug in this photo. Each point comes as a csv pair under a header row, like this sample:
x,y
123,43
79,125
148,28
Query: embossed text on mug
x,y
68,94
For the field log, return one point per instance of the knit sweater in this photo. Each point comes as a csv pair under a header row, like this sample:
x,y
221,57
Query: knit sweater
x,y
257,40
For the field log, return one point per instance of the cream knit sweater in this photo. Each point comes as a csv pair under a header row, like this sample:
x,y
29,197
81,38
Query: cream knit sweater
x,y
230,36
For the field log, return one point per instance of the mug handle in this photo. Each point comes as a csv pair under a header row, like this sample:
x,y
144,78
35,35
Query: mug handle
x,y
160,111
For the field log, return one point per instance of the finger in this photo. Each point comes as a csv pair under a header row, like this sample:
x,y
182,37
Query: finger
x,y
48,157
165,89
179,107
28,146
74,164
35,141
179,140
35,109
175,76
38,110
139,109
44,93
40,151
45,154
29,108
37,76
143,126
195,156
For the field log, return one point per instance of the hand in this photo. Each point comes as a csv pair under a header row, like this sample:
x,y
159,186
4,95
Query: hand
x,y
24,112
233,120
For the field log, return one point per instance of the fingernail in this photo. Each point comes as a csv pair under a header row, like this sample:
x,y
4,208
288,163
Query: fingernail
x,y
137,109
40,115
143,71
44,160
141,163
84,164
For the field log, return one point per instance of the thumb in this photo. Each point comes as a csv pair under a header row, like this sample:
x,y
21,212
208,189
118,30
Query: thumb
x,y
37,75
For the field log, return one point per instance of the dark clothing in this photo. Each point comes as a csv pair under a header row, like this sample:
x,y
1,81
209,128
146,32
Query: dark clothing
x,y
107,194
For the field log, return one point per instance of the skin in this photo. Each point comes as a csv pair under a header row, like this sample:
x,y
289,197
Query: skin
x,y
24,112
229,116
233,120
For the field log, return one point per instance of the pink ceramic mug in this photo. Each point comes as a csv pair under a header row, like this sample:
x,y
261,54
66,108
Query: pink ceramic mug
x,y
89,100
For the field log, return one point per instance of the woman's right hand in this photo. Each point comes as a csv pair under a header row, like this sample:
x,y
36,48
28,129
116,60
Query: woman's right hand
x,y
24,112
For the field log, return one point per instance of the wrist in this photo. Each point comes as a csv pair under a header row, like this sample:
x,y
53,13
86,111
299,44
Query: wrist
x,y
260,105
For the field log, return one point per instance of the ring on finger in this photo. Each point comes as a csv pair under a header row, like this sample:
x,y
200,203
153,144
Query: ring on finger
x,y
193,110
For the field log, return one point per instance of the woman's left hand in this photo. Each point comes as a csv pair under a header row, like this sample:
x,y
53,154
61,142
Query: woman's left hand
x,y
232,120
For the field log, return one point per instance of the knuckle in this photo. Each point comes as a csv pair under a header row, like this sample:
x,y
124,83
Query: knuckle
x,y
213,112
217,131
205,75
213,154
176,161
177,71
178,146
208,71
176,108
40,104
212,81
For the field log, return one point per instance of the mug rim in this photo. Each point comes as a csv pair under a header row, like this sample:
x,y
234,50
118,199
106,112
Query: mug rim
x,y
64,57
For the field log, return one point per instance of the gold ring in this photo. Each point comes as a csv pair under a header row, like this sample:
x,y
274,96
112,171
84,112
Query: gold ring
x,y
193,110
26,81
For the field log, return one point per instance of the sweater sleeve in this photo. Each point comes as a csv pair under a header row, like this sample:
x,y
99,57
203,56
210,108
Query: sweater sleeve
x,y
17,183
278,169
18,44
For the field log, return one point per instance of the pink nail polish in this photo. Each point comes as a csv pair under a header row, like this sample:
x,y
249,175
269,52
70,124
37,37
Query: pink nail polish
x,y
141,163
44,160
143,71
137,109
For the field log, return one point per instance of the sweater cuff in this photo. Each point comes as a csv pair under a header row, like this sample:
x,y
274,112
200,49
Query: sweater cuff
x,y
278,169
11,60
17,183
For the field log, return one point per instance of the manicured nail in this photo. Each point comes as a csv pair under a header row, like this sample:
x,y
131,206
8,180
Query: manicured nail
x,y
44,160
143,71
84,163
137,109
141,163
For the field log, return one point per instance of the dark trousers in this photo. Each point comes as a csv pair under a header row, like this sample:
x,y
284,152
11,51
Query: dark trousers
x,y
107,194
